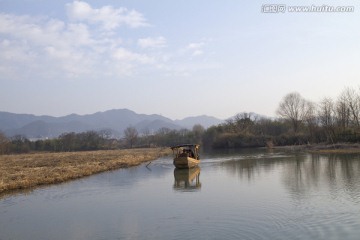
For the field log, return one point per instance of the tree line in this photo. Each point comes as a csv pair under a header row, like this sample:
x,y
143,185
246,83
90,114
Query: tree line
x,y
299,121
85,141
93,140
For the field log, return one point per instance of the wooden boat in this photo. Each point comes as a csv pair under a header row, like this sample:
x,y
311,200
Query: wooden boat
x,y
186,155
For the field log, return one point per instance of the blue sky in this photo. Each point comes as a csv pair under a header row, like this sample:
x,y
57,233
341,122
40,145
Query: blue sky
x,y
175,58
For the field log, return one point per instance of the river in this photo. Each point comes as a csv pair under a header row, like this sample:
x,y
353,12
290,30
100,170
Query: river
x,y
248,194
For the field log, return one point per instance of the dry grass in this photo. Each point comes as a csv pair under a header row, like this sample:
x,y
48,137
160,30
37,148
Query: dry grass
x,y
339,148
30,170
337,151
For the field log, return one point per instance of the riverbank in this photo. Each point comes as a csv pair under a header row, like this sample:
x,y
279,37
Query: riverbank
x,y
23,171
337,148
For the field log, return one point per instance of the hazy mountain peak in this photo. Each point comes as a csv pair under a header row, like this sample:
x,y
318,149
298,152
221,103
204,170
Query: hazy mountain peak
x,y
115,119
204,120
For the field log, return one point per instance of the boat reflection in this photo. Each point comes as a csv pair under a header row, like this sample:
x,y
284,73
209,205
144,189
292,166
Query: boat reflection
x,y
187,180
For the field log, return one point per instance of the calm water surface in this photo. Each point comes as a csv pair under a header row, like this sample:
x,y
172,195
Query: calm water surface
x,y
252,194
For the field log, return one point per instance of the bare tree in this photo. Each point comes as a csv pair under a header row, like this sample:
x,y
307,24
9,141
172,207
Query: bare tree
x,y
310,117
244,122
327,117
131,135
294,108
241,122
163,131
342,112
326,112
353,101
198,131
146,135
105,133
4,143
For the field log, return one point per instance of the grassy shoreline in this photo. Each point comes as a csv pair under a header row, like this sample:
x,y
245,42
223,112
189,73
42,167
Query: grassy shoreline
x,y
22,171
337,148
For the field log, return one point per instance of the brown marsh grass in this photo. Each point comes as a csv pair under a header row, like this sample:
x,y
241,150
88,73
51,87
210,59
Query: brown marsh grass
x,y
339,148
337,151
29,170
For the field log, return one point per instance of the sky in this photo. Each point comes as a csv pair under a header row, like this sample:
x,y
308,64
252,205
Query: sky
x,y
174,58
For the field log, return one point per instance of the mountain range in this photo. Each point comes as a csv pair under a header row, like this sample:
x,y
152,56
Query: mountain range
x,y
113,121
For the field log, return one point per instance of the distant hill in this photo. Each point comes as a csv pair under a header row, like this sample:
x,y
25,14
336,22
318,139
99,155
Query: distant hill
x,y
116,121
41,129
205,121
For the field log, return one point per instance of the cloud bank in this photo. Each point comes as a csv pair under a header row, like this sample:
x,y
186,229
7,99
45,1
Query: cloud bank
x,y
108,17
89,44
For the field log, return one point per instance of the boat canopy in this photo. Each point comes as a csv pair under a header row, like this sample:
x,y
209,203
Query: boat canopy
x,y
186,145
186,150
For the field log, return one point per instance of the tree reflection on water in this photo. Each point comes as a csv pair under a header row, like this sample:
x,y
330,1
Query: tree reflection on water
x,y
331,173
303,174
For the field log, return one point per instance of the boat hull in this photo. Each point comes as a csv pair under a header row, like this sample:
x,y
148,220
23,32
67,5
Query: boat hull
x,y
185,162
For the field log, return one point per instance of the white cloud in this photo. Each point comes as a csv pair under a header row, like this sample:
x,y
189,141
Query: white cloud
x,y
196,48
123,54
149,42
44,32
12,52
195,45
48,47
45,47
197,52
109,17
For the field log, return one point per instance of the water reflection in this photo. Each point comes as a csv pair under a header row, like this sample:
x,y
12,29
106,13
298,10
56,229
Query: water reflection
x,y
330,173
247,195
250,166
187,179
302,174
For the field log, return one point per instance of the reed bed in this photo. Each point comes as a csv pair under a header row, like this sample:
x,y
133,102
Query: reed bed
x,y
29,170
